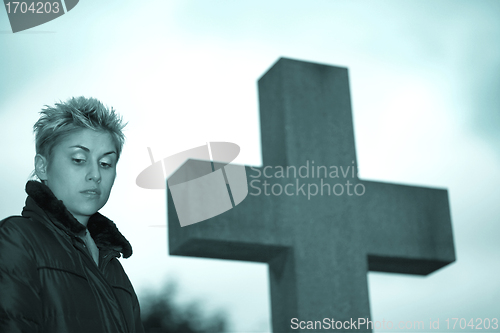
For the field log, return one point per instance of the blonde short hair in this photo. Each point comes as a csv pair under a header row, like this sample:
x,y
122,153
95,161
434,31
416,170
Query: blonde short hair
x,y
64,118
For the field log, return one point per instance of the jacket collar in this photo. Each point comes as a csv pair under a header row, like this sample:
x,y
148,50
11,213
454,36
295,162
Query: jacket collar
x,y
103,230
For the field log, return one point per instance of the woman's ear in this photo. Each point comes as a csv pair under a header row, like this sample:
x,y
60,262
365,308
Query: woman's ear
x,y
41,167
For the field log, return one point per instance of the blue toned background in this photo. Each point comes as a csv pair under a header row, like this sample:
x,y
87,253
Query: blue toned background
x,y
425,86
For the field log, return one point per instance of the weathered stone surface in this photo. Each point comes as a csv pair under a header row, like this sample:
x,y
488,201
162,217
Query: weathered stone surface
x,y
319,249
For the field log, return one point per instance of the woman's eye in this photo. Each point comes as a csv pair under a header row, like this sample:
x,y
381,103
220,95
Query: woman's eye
x,y
105,165
78,160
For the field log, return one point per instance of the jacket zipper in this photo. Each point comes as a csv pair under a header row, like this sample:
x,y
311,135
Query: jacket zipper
x,y
101,272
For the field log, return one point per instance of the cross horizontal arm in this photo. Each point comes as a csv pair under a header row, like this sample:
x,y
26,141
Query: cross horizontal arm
x,y
405,229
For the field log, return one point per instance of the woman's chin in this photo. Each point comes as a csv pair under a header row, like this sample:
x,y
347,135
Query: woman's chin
x,y
86,211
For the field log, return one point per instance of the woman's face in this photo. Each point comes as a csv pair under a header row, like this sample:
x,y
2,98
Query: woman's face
x,y
81,171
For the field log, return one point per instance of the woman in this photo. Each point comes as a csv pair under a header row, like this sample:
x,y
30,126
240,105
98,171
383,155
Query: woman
x,y
58,261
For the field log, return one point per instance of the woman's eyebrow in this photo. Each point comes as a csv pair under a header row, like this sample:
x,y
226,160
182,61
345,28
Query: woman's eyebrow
x,y
109,152
81,147
88,150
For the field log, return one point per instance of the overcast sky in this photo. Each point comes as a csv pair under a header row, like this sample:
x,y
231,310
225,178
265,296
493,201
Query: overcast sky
x,y
425,85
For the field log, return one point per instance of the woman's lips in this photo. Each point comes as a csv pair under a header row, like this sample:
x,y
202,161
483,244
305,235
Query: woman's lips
x,y
91,192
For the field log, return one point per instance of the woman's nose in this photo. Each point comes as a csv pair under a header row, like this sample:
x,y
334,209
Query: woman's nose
x,y
94,173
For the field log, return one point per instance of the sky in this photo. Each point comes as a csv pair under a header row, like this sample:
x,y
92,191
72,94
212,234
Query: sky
x,y
426,108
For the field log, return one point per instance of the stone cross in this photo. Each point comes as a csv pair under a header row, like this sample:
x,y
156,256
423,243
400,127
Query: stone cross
x,y
322,233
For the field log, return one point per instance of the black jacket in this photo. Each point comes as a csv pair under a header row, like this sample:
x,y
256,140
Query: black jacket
x,y
48,280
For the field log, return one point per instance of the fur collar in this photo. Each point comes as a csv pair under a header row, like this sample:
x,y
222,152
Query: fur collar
x,y
103,230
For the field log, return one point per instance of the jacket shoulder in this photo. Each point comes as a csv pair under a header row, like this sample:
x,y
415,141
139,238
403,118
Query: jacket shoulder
x,y
24,231
20,223
12,218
